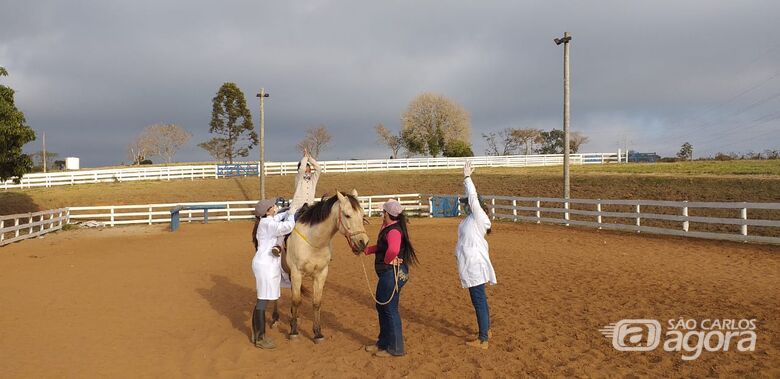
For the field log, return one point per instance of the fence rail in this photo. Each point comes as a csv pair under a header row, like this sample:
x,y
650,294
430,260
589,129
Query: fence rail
x,y
754,222
666,217
149,214
287,168
29,225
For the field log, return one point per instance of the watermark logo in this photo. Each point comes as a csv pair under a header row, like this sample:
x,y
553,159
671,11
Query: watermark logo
x,y
687,336
634,335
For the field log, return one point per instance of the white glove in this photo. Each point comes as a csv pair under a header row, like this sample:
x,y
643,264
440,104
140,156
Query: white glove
x,y
467,169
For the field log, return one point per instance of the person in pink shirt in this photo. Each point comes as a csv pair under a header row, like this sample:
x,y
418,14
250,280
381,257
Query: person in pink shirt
x,y
393,253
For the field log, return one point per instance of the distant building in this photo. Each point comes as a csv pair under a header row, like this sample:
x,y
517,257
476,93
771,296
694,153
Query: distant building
x,y
634,156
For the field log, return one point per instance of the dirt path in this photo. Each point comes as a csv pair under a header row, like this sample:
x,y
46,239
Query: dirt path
x,y
144,302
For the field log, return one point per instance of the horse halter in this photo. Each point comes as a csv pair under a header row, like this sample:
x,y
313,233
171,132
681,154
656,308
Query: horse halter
x,y
347,233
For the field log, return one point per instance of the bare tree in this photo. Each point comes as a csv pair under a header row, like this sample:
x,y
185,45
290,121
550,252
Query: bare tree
x,y
218,148
527,138
507,142
163,140
316,141
389,139
431,122
577,139
136,150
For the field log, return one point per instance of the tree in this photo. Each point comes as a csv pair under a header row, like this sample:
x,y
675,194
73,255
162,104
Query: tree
x,y
552,142
137,150
163,140
394,141
14,134
527,138
577,139
686,152
217,148
59,165
431,121
506,144
37,158
458,149
232,121
315,141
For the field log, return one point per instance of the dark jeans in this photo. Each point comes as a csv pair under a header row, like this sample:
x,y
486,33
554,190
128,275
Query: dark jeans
x,y
479,299
391,336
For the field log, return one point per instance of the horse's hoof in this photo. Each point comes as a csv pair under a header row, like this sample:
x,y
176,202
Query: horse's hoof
x,y
319,340
294,337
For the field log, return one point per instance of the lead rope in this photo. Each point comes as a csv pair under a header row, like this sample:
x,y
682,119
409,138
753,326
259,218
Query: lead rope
x,y
396,269
368,283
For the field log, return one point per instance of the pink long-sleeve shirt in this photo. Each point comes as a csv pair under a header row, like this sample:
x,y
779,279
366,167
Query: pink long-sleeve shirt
x,y
393,238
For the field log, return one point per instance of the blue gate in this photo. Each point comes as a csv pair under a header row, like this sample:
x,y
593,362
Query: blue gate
x,y
237,169
444,206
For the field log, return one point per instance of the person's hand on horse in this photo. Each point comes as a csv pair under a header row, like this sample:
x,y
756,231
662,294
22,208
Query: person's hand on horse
x,y
467,169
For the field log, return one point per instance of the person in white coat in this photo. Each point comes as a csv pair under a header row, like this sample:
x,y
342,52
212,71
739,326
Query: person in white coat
x,y
303,195
266,266
471,252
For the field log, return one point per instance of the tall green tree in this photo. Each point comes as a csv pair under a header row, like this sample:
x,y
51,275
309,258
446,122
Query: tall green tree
x,y
231,121
431,122
686,152
14,134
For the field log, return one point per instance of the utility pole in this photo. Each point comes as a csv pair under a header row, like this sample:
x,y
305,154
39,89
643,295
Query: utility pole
x,y
44,152
566,111
262,95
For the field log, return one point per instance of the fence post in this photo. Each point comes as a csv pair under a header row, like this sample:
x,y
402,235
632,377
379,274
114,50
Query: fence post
x,y
538,212
30,222
227,207
150,215
638,220
112,216
2,233
370,210
743,216
685,223
566,212
493,208
598,209
430,206
51,217
514,210
16,225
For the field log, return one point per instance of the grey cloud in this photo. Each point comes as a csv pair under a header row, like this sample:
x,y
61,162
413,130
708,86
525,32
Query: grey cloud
x,y
94,73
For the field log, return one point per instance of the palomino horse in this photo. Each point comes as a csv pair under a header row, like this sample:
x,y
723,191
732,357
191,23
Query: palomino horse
x,y
309,250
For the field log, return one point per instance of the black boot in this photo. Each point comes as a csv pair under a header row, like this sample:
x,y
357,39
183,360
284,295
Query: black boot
x,y
258,331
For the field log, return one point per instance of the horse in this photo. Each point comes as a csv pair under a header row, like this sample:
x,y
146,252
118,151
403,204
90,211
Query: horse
x,y
309,248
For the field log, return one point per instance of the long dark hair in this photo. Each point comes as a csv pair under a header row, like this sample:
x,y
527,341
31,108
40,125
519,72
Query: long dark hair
x,y
411,256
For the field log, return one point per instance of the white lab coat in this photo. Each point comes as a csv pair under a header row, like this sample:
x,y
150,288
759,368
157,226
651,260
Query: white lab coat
x,y
305,189
267,267
471,252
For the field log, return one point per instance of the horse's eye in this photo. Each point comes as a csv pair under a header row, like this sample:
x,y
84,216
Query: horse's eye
x,y
348,216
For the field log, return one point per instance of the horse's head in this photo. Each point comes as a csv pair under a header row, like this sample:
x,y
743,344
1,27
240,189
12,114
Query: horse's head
x,y
351,221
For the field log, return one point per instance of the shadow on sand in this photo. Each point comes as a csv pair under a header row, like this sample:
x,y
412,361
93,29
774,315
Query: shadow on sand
x,y
235,302
12,202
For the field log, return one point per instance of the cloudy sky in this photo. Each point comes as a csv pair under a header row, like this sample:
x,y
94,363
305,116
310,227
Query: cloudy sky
x,y
650,74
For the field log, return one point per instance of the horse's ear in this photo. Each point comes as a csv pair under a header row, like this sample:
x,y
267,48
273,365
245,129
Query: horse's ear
x,y
340,196
354,193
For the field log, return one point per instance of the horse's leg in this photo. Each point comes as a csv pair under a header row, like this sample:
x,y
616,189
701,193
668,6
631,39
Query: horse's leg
x,y
296,277
319,285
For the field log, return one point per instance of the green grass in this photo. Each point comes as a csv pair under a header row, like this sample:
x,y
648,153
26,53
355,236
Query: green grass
x,y
740,167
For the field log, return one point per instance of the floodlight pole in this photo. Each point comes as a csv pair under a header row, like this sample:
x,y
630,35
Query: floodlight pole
x,y
262,95
566,112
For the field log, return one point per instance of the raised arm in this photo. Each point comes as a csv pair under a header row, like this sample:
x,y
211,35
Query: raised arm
x,y
471,192
286,226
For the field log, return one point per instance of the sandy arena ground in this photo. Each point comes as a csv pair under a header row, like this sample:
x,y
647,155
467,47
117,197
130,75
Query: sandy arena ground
x,y
144,302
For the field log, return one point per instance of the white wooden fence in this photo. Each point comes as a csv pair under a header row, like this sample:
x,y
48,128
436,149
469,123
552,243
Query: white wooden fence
x,y
28,225
665,217
286,168
755,222
234,210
